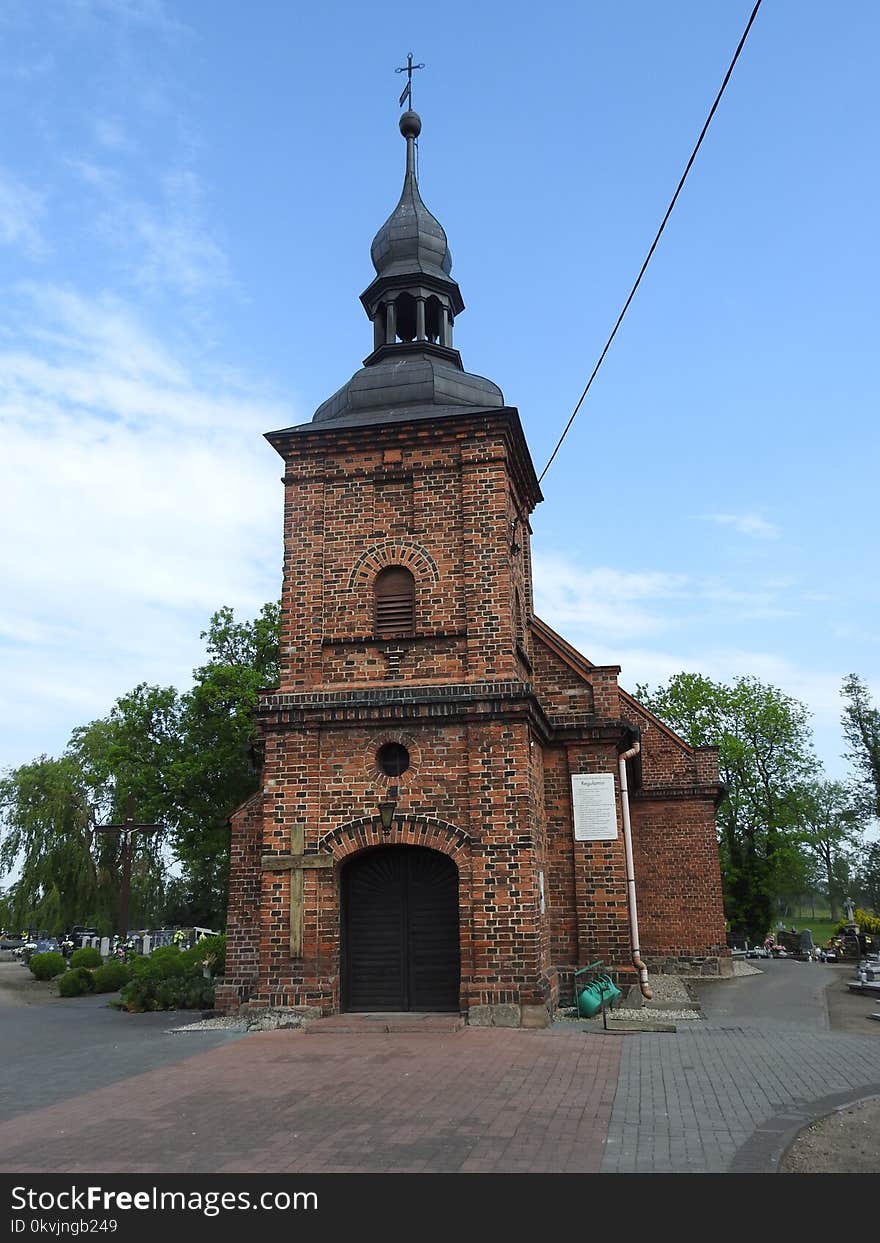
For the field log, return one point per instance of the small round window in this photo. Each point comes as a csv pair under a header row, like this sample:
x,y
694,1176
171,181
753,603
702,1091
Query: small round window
x,y
393,759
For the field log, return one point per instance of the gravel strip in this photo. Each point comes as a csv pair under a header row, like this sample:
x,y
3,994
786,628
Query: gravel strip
x,y
745,968
222,1023
623,1014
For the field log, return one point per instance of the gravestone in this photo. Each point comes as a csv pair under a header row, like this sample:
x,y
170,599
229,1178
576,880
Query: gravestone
x,y
105,946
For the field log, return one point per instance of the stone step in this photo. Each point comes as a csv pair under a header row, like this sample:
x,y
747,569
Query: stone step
x,y
381,1023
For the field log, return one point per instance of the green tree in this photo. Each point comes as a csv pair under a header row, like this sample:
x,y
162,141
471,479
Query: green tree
x,y
765,752
46,833
187,760
861,727
868,876
214,770
132,752
829,827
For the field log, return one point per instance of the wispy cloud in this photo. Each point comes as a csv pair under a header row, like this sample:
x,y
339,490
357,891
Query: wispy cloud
x,y
138,495
166,243
746,524
601,600
21,209
26,71
655,625
147,14
179,250
110,133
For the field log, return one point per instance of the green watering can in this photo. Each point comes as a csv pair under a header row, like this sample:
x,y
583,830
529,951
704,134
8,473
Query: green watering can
x,y
601,991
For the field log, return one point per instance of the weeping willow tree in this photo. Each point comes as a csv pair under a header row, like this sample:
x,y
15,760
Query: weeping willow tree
x,y
47,838
65,872
183,758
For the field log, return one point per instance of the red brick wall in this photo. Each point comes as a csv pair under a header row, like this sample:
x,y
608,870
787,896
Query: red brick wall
x,y
473,778
456,498
678,878
243,911
562,691
495,713
674,843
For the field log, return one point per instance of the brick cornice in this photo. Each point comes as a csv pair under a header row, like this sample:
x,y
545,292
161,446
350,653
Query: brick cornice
x,y
509,701
314,440
400,640
711,791
381,695
380,705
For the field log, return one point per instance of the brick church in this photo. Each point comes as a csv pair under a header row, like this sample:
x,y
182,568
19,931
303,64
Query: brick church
x,y
457,809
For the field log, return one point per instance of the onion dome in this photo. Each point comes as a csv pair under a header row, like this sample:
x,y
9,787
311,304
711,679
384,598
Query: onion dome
x,y
411,240
413,372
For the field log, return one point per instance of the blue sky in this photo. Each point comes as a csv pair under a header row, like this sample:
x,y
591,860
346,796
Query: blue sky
x,y
187,196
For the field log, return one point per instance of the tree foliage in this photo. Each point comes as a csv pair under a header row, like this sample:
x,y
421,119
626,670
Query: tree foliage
x,y
185,759
214,770
765,753
867,877
861,728
829,826
47,833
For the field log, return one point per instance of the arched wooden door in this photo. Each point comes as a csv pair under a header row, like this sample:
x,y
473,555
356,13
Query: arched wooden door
x,y
400,948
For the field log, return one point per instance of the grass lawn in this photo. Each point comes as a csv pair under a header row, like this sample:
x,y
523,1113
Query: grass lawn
x,y
822,929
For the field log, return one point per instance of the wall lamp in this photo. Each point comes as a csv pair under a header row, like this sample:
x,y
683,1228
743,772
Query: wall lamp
x,y
386,812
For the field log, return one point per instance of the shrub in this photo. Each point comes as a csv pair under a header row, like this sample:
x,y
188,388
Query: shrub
x,y
168,985
111,976
209,952
867,922
47,966
78,980
167,960
88,956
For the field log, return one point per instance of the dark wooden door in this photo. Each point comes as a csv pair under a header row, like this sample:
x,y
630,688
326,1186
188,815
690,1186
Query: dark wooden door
x,y
400,931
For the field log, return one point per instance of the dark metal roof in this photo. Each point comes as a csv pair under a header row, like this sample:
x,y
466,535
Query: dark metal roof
x,y
410,379
410,384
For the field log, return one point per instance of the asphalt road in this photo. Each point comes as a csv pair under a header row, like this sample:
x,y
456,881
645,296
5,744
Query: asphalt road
x,y
79,1081
55,1048
787,993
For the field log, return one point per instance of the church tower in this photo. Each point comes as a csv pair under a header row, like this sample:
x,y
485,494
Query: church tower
x,y
413,847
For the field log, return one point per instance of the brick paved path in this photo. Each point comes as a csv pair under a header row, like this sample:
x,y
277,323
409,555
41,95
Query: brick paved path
x,y
708,1099
730,1093
476,1100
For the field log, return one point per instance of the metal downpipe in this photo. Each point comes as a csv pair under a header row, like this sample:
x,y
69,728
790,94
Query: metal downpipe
x,y
631,874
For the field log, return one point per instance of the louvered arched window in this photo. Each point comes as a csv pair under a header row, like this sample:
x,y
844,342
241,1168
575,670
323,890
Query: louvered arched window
x,y
395,602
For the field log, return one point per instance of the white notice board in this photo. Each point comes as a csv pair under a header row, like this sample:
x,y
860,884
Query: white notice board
x,y
594,803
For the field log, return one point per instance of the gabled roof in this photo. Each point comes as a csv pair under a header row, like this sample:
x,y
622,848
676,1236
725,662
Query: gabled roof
x,y
583,667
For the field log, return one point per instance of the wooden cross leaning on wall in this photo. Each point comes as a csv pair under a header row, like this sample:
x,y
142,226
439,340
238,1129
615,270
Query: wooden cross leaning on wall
x,y
295,863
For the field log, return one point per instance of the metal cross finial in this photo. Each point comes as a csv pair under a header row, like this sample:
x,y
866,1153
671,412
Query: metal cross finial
x,y
406,93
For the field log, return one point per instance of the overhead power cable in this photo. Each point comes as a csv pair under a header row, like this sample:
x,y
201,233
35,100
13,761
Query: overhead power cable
x,y
650,253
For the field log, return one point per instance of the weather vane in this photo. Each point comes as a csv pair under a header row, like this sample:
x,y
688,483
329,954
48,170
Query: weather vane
x,y
406,93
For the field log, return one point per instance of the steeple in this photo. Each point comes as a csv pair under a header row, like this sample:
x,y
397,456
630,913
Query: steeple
x,y
413,371
411,250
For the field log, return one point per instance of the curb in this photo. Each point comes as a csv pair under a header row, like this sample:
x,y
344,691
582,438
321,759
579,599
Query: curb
x,y
764,1150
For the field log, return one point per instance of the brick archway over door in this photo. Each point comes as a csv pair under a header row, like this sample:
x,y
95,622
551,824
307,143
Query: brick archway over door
x,y
400,931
